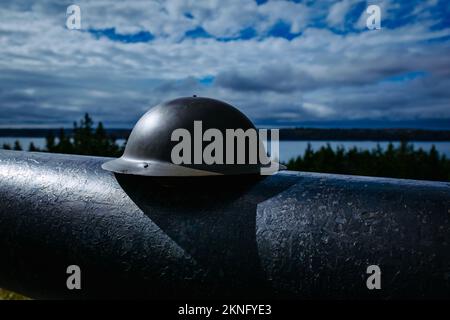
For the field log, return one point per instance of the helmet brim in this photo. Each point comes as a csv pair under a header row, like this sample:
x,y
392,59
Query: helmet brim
x,y
153,169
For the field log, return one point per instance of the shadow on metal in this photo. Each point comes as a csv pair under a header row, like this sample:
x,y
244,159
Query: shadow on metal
x,y
214,220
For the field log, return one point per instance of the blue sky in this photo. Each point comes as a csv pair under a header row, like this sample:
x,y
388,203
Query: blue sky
x,y
283,63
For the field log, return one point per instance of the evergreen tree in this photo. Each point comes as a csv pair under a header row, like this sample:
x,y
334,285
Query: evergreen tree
x,y
17,146
64,144
50,142
84,140
33,148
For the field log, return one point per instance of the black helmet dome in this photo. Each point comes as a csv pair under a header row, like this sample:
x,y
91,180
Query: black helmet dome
x,y
149,147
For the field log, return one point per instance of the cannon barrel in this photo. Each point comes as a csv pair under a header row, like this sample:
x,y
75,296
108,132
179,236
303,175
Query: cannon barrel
x,y
290,235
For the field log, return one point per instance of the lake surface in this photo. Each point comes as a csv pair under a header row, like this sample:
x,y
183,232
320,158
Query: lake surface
x,y
288,149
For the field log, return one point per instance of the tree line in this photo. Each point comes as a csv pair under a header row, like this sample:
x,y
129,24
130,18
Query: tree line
x,y
86,139
403,161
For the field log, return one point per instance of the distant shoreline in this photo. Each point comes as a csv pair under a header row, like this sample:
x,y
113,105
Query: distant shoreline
x,y
286,134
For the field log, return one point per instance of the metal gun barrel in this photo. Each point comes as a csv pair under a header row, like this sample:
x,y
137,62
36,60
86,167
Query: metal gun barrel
x,y
290,235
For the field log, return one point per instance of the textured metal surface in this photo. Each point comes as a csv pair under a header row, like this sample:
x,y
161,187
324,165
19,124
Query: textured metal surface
x,y
291,235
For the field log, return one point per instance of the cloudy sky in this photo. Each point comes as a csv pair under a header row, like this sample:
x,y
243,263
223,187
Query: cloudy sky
x,y
283,63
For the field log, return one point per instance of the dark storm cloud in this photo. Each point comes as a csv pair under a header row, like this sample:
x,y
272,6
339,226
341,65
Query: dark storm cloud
x,y
276,77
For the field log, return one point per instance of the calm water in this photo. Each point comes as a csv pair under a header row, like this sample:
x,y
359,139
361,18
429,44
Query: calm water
x,y
288,149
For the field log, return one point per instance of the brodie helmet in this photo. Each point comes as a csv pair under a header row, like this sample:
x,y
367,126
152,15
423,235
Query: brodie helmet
x,y
149,147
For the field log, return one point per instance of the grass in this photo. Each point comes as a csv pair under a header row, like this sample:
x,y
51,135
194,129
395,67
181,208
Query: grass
x,y
8,295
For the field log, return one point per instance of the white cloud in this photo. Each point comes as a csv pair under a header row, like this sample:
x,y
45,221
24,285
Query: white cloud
x,y
338,12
